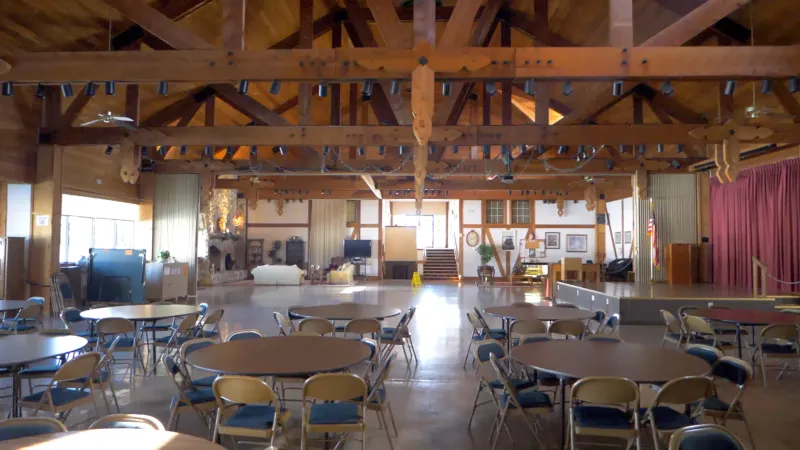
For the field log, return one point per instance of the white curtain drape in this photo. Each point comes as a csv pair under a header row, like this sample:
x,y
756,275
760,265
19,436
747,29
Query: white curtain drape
x,y
327,231
176,212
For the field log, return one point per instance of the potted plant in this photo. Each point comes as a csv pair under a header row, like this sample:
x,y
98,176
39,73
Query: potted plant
x,y
164,256
485,271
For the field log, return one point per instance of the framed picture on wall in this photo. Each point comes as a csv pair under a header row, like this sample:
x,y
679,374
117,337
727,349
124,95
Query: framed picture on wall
x,y
617,237
552,240
576,243
628,237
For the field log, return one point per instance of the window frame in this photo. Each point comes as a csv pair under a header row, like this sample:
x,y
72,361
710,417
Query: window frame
x,y
355,212
514,214
502,212
66,241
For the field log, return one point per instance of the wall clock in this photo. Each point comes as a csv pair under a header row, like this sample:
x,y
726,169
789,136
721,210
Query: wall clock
x,y
472,238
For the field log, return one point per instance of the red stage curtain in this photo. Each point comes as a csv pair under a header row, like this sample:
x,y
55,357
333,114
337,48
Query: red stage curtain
x,y
757,215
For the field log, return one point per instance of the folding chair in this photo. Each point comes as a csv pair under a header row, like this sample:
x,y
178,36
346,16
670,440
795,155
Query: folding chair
x,y
729,370
247,407
211,320
673,331
101,378
27,319
334,403
663,420
285,326
778,341
520,328
360,327
480,332
406,334
705,436
699,331
111,327
200,401
244,334
317,325
390,340
378,399
182,333
186,349
20,427
568,328
608,412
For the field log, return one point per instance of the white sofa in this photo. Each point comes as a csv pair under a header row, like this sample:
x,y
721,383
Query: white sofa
x,y
282,275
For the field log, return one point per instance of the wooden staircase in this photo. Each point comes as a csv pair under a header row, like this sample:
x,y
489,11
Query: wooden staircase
x,y
440,264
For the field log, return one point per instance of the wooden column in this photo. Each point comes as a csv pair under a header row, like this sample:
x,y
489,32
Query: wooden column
x,y
233,24
3,208
542,89
620,23
306,41
336,88
422,95
46,231
600,231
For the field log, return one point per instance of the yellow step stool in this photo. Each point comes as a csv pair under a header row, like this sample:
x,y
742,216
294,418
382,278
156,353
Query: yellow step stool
x,y
416,281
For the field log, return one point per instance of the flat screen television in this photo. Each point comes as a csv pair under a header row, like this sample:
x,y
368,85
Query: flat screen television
x,y
357,248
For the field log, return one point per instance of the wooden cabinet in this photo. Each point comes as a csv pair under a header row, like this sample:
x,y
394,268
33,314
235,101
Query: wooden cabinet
x,y
255,253
12,268
296,253
681,263
166,281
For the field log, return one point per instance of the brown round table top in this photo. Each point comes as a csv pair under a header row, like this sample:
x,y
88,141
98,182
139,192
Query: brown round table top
x,y
546,313
346,311
140,312
280,355
745,316
581,358
12,305
116,438
19,349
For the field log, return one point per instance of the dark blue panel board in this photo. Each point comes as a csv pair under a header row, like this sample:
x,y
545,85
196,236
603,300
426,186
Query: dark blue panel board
x,y
116,275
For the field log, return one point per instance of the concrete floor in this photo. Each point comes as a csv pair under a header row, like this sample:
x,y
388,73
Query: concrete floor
x,y
432,400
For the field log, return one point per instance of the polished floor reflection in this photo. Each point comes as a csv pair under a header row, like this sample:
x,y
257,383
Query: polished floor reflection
x,y
432,400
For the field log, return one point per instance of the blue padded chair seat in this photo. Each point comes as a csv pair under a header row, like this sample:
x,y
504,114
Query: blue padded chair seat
x,y
104,376
706,441
334,414
256,417
40,370
21,431
179,340
198,396
715,404
710,342
124,342
777,348
667,418
730,331
529,399
61,396
601,417
518,383
675,336
492,335
205,382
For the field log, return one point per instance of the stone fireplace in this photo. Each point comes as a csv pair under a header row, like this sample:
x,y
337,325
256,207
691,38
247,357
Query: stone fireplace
x,y
221,266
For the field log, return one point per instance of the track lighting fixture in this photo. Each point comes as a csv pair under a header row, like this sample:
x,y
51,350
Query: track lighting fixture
x,y
794,84
325,151
243,86
322,90
660,148
446,192
617,88
439,192
447,89
163,88
730,87
766,86
666,88
679,148
509,192
530,87
208,151
675,164
431,149
395,89
623,148
360,151
163,150
566,88
563,149
229,151
491,88
143,151
111,88
109,149
581,151
366,90
487,151
66,90
642,149
275,87
91,89
40,90
402,150
381,150
8,89
254,151
282,150
455,149
425,191
183,150
522,148
610,164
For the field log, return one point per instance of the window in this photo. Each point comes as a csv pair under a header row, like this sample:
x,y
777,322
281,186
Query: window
x,y
79,234
352,211
521,211
494,211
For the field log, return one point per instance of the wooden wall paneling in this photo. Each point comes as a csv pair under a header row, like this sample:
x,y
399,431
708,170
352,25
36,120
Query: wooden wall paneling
x,y
3,208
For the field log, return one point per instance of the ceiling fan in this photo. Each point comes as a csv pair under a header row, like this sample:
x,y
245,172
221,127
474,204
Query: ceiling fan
x,y
111,118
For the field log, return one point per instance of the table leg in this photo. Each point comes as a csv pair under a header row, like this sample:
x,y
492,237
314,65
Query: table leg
x,y
153,345
753,343
15,393
739,339
561,387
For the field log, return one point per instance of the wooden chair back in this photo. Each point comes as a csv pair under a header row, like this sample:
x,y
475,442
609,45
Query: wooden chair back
x,y
605,390
672,322
363,326
316,325
569,328
528,326
239,389
335,387
82,366
114,325
685,390
285,326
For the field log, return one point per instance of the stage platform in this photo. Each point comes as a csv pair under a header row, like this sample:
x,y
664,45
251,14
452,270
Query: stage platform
x,y
639,304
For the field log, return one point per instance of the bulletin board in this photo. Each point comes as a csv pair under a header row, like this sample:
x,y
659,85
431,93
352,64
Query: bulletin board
x,y
119,272
400,243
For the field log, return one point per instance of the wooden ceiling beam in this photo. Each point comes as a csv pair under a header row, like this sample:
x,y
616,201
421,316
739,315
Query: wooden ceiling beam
x,y
668,104
724,26
787,100
159,25
537,31
620,23
233,24
337,65
175,10
465,135
177,109
75,108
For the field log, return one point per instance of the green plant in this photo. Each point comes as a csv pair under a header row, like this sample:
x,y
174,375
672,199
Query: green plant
x,y
164,255
486,252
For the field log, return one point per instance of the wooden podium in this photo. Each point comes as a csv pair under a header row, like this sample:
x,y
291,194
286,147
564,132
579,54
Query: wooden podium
x,y
681,263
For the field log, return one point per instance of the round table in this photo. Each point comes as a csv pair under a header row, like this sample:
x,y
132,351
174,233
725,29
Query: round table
x,y
526,312
12,305
745,317
141,313
118,439
579,359
280,356
346,311
18,350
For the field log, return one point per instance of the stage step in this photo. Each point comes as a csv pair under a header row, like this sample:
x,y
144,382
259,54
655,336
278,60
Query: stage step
x,y
440,264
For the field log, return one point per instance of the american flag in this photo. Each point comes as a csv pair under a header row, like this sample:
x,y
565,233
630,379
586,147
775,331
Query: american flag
x,y
651,231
